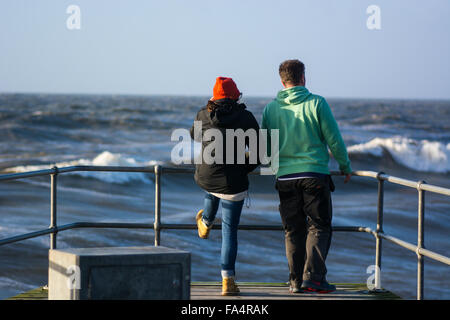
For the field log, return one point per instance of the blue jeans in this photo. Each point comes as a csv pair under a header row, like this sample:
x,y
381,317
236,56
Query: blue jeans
x,y
231,214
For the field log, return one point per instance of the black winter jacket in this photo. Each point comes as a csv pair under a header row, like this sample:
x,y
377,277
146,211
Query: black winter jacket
x,y
224,178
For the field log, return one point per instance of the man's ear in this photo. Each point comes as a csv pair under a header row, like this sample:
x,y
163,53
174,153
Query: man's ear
x,y
303,79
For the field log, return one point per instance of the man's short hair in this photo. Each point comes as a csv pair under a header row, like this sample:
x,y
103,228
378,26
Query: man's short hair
x,y
291,71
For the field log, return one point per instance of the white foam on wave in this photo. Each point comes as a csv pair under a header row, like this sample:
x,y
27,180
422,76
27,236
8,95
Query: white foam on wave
x,y
105,158
418,155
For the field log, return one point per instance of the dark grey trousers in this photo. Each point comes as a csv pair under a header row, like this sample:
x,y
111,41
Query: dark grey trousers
x,y
306,213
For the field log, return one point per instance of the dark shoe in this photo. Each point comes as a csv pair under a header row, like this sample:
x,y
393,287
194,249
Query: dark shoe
x,y
316,286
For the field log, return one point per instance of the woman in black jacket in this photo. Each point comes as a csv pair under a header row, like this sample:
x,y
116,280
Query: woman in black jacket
x,y
225,180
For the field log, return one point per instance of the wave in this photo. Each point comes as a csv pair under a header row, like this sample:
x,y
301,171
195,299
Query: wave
x,y
105,158
418,155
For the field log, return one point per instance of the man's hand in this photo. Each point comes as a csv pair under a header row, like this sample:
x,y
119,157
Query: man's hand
x,y
347,177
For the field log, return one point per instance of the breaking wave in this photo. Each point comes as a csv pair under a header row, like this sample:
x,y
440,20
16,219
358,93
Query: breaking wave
x,y
105,158
418,155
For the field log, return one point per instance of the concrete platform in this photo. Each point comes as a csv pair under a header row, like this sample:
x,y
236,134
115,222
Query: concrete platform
x,y
119,273
257,291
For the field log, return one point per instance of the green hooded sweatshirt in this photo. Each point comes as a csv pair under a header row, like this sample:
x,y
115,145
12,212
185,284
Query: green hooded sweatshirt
x,y
306,127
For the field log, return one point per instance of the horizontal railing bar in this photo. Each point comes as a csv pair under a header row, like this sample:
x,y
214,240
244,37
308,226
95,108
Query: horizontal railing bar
x,y
433,255
407,183
187,169
257,227
180,226
128,225
400,181
414,248
399,242
428,253
76,225
361,173
180,169
118,225
26,236
415,184
23,175
435,189
30,174
150,169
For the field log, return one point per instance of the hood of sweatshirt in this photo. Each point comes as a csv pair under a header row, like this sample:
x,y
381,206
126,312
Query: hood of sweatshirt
x,y
293,95
225,113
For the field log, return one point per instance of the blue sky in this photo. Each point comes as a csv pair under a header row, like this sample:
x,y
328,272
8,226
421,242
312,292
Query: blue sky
x,y
180,47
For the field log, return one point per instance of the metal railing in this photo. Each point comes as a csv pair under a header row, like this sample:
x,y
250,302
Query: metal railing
x,y
157,226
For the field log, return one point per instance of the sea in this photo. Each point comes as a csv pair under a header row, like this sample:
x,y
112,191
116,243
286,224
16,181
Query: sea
x,y
403,138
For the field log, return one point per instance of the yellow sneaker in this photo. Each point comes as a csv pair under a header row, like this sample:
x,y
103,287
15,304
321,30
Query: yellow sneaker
x,y
229,287
203,230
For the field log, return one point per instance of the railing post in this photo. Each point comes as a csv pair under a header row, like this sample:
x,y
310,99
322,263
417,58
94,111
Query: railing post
x,y
420,240
157,223
378,246
53,220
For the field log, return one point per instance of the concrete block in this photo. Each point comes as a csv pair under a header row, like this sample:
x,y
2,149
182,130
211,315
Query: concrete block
x,y
119,273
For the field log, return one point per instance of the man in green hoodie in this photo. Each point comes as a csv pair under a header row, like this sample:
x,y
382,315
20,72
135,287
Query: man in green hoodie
x,y
306,129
